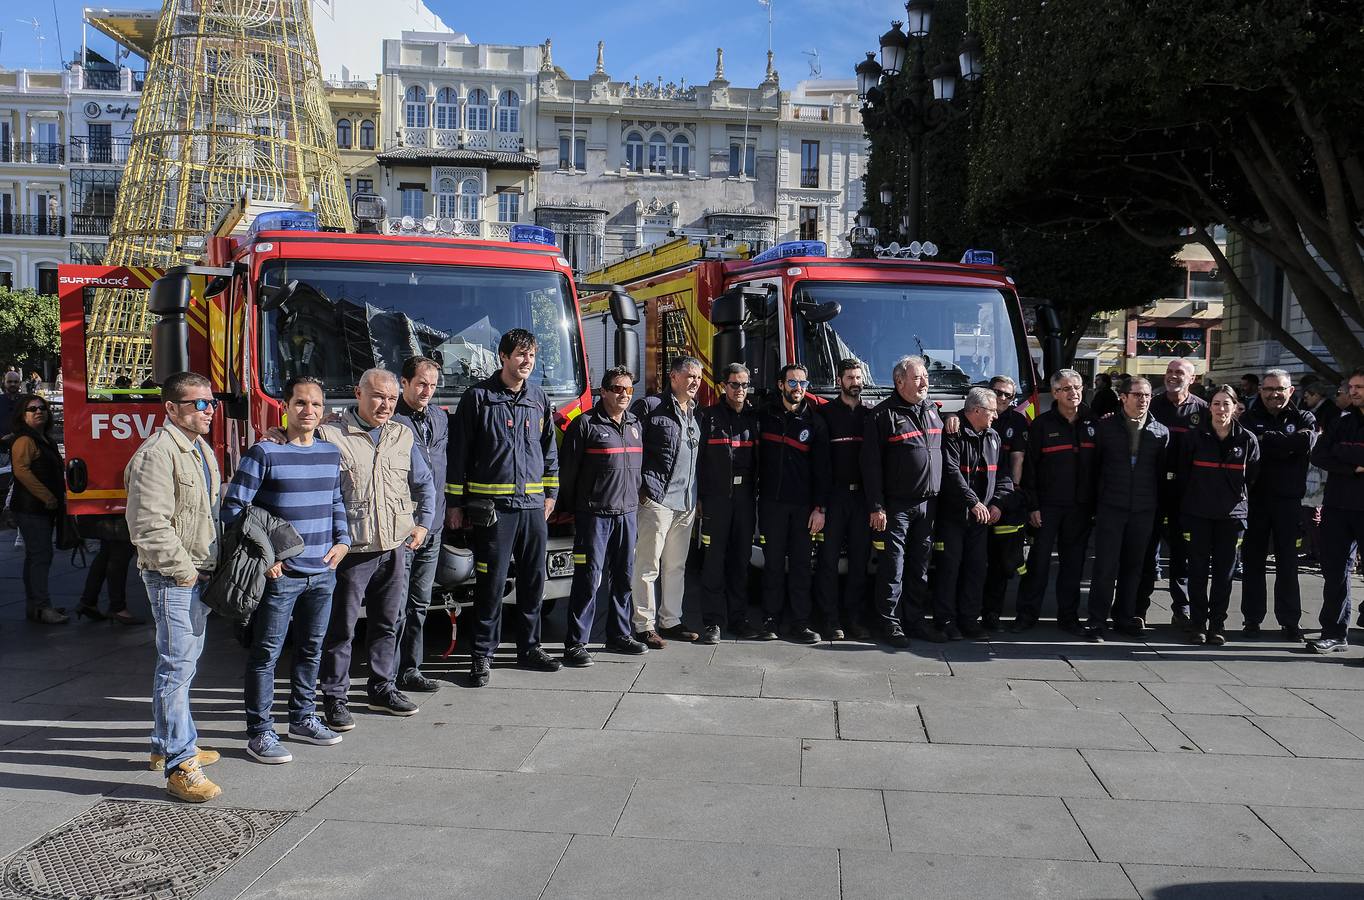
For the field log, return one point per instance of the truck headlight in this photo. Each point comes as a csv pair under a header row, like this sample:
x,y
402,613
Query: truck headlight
x,y
559,563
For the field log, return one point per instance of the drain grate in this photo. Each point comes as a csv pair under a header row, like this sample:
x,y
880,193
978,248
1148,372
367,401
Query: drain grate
x,y
122,849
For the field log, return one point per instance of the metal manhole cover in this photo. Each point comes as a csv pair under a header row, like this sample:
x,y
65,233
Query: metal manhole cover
x,y
127,849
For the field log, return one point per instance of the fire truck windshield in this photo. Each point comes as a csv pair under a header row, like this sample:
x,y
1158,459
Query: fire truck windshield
x,y
346,317
965,334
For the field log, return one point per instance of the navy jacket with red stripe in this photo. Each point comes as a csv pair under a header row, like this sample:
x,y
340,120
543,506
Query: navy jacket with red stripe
x,y
1215,474
600,463
847,429
1058,464
1340,450
972,472
902,452
729,450
793,461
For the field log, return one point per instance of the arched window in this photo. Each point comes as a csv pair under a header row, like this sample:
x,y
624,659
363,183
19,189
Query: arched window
x,y
469,200
447,109
447,201
509,112
634,151
658,153
343,133
367,135
681,154
416,106
476,112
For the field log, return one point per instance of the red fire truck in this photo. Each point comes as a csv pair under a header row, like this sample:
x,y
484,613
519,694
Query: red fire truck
x,y
709,298
276,297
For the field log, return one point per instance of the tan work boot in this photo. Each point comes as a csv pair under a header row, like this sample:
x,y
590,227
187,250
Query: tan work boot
x,y
201,756
189,783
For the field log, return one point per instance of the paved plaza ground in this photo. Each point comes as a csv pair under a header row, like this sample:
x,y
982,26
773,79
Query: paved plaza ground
x,y
1015,768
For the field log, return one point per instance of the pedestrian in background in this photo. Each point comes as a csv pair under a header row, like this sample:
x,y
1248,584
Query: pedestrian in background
x,y
38,502
109,567
1105,399
173,487
667,510
299,482
1218,461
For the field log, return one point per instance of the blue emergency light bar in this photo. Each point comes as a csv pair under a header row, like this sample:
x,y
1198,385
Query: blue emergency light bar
x,y
533,234
978,258
788,249
285,220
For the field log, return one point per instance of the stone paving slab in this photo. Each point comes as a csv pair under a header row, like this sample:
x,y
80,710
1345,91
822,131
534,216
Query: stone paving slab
x,y
880,720
1272,701
1312,737
1186,883
364,860
814,684
1189,834
691,678
1109,696
1160,733
1307,670
618,868
1211,778
515,706
725,715
1330,840
1197,698
951,769
426,740
508,801
759,814
644,755
1113,670
1012,667
248,784
1340,704
18,684
24,821
1227,734
1171,668
956,690
603,675
1040,695
1030,728
978,825
917,876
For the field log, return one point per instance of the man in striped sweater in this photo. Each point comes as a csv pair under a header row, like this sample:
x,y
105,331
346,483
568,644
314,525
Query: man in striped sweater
x,y
298,481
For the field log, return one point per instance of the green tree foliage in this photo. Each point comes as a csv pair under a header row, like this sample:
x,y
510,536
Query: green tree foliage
x,y
1080,271
1164,116
30,328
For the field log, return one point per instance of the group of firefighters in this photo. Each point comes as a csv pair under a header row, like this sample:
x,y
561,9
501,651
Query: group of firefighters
x,y
350,511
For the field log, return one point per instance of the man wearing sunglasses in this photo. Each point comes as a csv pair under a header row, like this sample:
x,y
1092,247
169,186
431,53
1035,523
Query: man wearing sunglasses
x,y
793,492
173,486
599,474
726,477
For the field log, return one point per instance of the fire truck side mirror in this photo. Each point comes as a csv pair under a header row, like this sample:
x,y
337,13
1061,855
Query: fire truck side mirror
x,y
169,299
727,310
1049,324
624,310
727,315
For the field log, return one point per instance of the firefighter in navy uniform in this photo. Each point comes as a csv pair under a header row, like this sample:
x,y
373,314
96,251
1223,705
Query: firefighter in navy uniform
x,y
1006,544
503,479
902,471
793,491
976,491
600,472
1218,461
1286,435
1172,408
1340,451
726,476
1058,493
845,521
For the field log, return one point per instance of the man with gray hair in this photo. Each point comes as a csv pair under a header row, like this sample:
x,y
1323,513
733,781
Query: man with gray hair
x,y
974,491
902,472
390,500
667,509
1286,436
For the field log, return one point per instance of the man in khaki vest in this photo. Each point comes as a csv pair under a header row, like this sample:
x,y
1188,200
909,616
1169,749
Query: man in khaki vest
x,y
390,498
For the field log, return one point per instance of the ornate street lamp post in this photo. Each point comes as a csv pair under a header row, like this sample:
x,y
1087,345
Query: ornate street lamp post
x,y
901,93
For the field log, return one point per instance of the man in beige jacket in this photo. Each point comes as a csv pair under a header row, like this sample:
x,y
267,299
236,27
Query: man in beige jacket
x,y
173,487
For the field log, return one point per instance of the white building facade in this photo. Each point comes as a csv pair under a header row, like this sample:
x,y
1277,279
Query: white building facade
x,y
350,33
823,152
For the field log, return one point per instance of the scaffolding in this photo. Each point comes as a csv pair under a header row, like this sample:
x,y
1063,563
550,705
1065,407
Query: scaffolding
x,y
233,101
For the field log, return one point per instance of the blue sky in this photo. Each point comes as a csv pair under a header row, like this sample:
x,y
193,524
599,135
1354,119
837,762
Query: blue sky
x,y
642,38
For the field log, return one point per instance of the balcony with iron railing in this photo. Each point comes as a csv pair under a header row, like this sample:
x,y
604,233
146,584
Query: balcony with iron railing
x,y
41,154
100,151
809,177
49,226
87,225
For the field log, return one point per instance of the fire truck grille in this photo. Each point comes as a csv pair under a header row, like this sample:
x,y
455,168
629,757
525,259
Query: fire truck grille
x,y
120,850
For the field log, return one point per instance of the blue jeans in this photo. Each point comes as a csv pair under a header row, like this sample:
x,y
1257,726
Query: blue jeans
x,y
180,619
37,533
307,600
